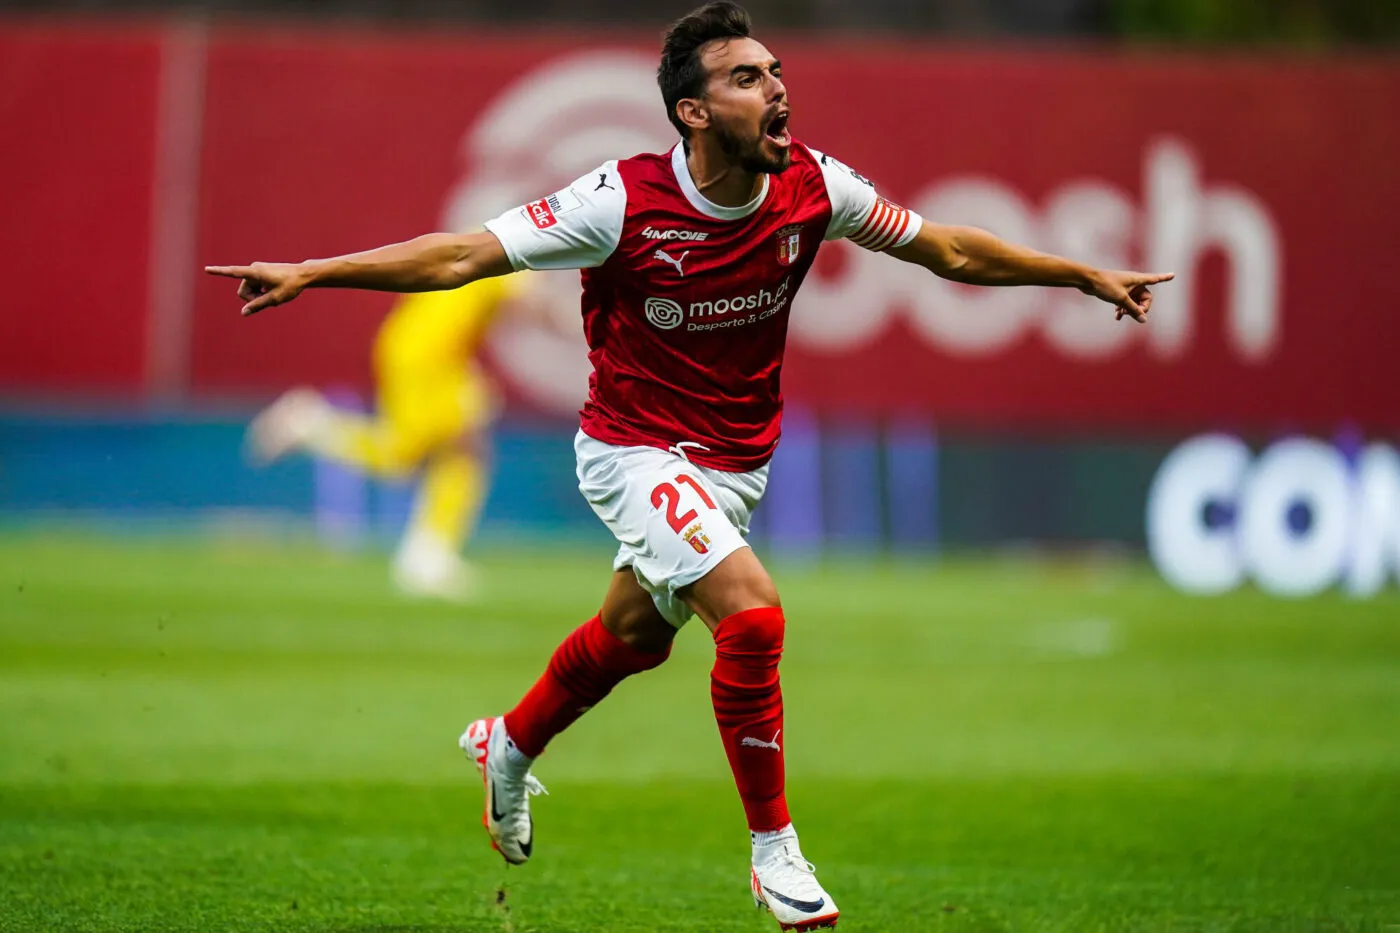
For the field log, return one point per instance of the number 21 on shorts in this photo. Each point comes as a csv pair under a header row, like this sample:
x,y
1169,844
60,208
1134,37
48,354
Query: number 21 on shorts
x,y
668,494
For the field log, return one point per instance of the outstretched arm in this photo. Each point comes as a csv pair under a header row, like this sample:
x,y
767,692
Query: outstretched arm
x,y
427,263
976,257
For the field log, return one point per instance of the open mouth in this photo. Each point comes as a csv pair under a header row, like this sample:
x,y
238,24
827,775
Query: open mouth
x,y
777,130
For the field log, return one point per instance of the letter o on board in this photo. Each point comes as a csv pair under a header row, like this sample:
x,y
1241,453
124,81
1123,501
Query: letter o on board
x,y
1194,554
1296,479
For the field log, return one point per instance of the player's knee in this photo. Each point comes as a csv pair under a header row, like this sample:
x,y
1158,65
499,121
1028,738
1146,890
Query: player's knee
x,y
639,625
738,584
646,632
652,654
762,592
753,632
749,586
754,597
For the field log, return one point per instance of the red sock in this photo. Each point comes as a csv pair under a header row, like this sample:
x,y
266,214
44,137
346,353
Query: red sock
x,y
749,709
583,670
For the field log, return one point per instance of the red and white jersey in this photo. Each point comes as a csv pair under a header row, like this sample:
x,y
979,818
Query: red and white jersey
x,y
686,302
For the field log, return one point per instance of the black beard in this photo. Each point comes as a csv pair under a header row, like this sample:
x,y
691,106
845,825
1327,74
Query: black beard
x,y
748,154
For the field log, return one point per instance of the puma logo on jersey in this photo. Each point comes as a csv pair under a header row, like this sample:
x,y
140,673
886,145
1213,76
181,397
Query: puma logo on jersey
x,y
662,255
759,743
651,233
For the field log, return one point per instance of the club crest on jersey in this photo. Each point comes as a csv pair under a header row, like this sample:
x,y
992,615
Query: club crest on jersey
x,y
789,244
695,536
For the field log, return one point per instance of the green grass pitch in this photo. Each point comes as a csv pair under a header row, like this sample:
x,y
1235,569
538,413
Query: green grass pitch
x,y
227,735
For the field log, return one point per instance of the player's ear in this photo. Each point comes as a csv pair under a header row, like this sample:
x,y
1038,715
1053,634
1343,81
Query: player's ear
x,y
693,113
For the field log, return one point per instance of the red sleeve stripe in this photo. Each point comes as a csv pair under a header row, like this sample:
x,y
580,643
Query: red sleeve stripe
x,y
883,228
873,222
899,223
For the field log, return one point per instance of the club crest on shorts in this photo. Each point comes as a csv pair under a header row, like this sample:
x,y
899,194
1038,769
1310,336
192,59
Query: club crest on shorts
x,y
695,536
789,244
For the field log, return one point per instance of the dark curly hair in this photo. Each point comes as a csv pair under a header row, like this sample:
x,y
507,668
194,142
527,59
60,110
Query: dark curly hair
x,y
681,75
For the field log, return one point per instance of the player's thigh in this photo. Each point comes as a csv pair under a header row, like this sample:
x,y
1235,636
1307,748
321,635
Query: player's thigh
x,y
736,584
665,515
630,613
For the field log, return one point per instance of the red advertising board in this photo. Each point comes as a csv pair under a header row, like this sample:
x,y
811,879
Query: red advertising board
x,y
1266,184
77,148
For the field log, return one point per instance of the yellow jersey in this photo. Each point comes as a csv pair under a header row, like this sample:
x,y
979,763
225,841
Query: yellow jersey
x,y
442,328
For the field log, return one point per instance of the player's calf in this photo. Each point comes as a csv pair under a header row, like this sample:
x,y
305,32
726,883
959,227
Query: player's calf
x,y
748,704
630,614
583,670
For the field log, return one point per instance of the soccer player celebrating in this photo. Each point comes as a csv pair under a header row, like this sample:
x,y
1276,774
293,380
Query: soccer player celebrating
x,y
691,260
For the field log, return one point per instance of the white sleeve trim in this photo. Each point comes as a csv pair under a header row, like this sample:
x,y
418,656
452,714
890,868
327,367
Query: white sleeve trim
x,y
887,225
577,227
859,213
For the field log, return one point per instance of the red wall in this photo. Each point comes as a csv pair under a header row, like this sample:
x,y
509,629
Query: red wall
x,y
77,145
1270,184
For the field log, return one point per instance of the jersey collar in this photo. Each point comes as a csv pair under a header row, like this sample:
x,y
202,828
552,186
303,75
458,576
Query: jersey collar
x,y
703,204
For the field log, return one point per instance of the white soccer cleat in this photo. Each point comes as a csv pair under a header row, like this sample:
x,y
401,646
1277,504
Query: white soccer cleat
x,y
507,812
285,425
786,884
457,583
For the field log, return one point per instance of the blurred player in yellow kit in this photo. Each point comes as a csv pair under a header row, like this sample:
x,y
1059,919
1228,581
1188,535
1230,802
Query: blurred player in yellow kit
x,y
435,405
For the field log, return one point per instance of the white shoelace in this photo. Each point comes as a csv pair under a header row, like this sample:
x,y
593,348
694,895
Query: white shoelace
x,y
533,787
797,862
793,872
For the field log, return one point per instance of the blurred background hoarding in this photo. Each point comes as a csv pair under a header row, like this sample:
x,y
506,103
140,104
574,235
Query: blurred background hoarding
x,y
921,413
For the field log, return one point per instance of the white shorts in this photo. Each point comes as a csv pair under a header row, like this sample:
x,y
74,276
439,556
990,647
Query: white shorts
x,y
675,521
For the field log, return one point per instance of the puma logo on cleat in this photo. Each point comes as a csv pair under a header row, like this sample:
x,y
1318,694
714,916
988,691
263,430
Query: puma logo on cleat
x,y
759,743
